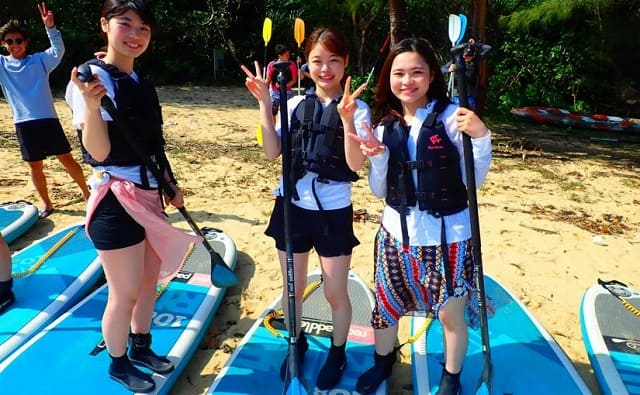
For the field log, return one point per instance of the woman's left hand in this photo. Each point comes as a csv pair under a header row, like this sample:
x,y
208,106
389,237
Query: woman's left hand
x,y
469,122
347,106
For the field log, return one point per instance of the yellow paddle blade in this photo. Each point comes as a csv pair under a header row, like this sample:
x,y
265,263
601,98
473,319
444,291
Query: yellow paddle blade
x,y
266,31
298,31
259,134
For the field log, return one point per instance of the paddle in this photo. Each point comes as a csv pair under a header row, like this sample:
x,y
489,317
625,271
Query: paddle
x,y
298,35
266,36
454,32
380,53
221,275
463,27
484,386
295,383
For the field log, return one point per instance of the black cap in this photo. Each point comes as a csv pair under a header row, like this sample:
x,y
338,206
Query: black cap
x,y
281,48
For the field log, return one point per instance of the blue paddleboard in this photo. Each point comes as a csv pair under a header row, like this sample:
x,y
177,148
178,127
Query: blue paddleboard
x,y
49,277
611,333
254,367
69,355
526,360
16,218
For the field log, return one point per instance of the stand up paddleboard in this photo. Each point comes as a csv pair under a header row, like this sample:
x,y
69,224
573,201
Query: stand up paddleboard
x,y
254,367
16,218
610,320
49,277
69,357
526,359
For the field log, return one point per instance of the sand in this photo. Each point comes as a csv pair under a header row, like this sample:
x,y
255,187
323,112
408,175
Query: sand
x,y
557,211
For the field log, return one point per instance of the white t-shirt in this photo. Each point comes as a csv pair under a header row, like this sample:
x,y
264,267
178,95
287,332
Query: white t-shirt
x,y
334,194
424,229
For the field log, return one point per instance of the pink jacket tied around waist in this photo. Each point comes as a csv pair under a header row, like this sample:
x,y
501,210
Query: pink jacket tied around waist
x,y
171,244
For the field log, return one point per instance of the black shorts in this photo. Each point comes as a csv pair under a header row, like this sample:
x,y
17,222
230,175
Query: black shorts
x,y
330,232
41,138
111,227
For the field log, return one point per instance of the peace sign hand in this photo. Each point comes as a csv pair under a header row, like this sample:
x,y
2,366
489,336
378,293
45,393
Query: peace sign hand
x,y
370,146
347,106
256,84
46,15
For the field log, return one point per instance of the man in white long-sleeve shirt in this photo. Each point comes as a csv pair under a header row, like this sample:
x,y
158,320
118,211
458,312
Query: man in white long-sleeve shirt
x,y
25,84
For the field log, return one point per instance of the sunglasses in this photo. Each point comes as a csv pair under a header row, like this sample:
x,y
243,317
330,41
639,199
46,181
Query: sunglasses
x,y
10,41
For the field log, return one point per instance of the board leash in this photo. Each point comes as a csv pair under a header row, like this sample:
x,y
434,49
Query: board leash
x,y
275,314
48,254
605,284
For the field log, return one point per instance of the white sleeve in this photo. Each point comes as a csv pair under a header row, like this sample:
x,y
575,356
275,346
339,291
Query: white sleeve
x,y
379,165
75,100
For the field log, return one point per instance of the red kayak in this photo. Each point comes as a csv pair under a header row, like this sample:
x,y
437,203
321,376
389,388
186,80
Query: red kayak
x,y
559,116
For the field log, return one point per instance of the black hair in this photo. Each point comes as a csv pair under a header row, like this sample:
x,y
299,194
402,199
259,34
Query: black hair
x,y
386,103
113,8
13,26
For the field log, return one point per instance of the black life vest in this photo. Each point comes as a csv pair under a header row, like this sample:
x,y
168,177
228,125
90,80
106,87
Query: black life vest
x,y
318,141
440,189
138,104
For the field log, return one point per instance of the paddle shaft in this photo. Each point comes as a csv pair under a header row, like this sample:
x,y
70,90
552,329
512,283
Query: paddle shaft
x,y
379,57
285,142
470,172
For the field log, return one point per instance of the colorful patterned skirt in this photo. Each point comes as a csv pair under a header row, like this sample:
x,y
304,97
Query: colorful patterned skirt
x,y
414,281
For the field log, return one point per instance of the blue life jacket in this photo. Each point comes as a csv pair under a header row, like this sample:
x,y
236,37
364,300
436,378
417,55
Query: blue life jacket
x,y
440,189
318,142
139,106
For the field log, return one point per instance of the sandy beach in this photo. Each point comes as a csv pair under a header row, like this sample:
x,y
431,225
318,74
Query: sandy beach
x,y
557,212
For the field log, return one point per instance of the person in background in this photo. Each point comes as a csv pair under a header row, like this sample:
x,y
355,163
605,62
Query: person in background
x,y
25,83
7,298
125,218
284,55
473,53
422,252
321,209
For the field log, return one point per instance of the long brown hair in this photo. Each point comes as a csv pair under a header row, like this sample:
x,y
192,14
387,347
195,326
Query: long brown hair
x,y
386,103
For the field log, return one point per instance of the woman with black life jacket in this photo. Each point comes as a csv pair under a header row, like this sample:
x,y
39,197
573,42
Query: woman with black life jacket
x,y
321,212
417,166
125,219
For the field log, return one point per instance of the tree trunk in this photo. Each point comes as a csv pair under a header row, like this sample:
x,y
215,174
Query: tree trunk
x,y
398,19
478,32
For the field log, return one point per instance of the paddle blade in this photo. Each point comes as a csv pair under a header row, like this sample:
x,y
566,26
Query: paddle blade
x,y
298,31
454,28
259,134
222,276
296,387
266,31
463,27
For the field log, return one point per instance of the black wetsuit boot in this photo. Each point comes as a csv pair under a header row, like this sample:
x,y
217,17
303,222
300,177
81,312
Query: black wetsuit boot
x,y
370,380
122,370
301,349
449,383
331,371
7,298
141,354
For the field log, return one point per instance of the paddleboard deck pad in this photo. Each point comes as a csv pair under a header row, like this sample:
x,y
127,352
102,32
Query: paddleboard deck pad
x,y
16,218
69,357
254,366
49,277
525,358
611,332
